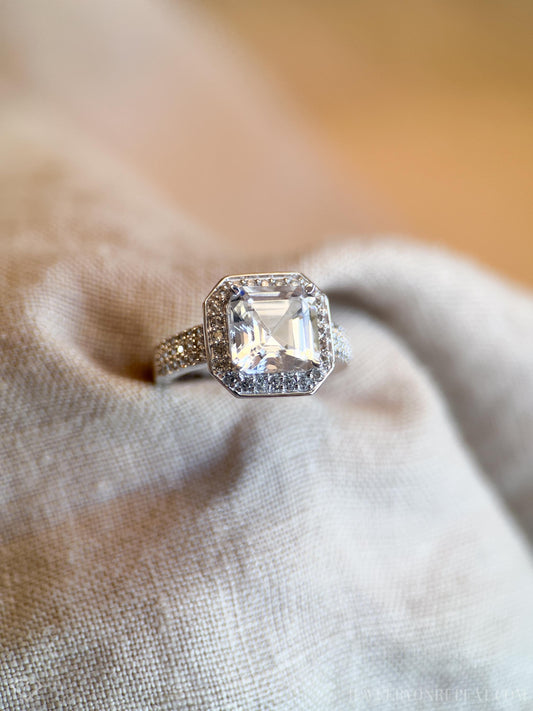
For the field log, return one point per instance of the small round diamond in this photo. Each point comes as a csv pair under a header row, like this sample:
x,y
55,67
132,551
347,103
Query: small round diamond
x,y
305,383
247,384
261,383
230,379
276,383
290,382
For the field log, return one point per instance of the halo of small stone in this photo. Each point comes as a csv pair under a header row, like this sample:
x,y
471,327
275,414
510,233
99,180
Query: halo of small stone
x,y
263,384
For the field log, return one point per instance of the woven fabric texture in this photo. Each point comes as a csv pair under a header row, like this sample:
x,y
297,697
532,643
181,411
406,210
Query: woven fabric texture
x,y
177,548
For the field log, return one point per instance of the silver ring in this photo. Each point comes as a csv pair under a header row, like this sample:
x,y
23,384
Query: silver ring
x,y
262,335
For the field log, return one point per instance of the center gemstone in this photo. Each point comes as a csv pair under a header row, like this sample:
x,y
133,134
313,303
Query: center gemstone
x,y
273,329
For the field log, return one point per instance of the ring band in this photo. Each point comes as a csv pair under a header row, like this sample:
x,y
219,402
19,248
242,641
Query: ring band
x,y
263,334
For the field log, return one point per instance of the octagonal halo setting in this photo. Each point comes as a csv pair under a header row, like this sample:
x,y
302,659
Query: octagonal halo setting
x,y
268,334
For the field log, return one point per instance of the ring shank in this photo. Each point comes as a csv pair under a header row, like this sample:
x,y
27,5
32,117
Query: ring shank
x,y
180,354
185,353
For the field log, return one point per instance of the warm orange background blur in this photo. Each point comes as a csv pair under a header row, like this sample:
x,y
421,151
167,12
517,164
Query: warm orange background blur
x,y
429,104
275,125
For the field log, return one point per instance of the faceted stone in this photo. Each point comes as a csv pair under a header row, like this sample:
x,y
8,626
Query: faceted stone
x,y
305,383
230,379
273,328
247,383
261,384
275,383
290,381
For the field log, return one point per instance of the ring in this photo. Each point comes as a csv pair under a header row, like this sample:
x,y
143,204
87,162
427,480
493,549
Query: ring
x,y
262,335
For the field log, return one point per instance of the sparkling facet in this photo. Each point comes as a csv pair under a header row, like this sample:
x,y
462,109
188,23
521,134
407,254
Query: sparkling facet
x,y
273,328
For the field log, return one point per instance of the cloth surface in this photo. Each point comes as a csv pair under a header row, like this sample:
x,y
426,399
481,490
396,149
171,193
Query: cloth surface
x,y
177,548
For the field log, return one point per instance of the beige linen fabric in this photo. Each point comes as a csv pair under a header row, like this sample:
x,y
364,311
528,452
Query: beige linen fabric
x,y
177,548
181,549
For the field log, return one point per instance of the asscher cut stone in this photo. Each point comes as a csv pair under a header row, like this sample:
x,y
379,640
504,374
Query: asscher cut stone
x,y
273,329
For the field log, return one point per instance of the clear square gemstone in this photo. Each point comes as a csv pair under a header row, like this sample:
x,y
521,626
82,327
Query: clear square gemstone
x,y
273,329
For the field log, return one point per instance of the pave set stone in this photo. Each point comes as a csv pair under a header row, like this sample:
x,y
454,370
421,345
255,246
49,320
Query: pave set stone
x,y
341,344
185,350
268,334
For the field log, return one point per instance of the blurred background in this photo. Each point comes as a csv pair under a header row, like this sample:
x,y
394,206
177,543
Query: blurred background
x,y
427,103
276,125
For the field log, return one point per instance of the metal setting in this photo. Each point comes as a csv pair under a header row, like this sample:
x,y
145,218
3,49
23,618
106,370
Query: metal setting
x,y
262,335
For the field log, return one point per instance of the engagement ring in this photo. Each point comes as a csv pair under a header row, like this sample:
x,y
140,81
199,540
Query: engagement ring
x,y
262,335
